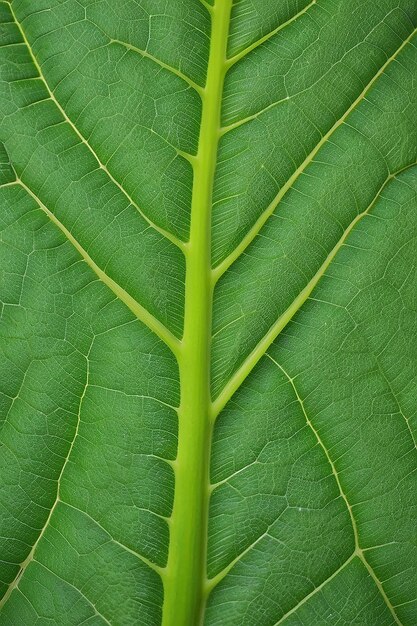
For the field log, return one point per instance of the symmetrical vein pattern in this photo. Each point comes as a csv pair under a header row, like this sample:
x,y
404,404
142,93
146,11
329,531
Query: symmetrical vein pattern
x,y
208,322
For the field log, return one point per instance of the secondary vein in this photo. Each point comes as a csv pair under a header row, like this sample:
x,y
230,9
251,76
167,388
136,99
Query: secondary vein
x,y
358,549
166,234
243,53
255,355
223,266
144,53
137,309
23,566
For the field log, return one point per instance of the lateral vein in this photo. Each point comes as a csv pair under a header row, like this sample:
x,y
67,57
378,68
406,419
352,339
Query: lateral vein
x,y
316,590
165,233
223,266
323,447
211,583
249,118
255,355
358,550
144,53
14,584
96,611
380,588
135,307
156,568
397,402
240,55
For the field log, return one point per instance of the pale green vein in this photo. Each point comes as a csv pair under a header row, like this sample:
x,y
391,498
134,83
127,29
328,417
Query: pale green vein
x,y
249,118
252,359
207,5
139,396
96,611
165,233
19,391
256,228
326,452
137,309
144,53
240,55
156,568
381,589
315,590
184,595
211,583
358,550
406,419
23,566
9,45
214,486
31,556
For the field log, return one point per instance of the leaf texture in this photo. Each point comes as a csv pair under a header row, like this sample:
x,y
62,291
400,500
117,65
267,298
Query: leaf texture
x,y
208,326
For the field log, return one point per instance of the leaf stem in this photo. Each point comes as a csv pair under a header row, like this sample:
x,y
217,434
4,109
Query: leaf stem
x,y
185,575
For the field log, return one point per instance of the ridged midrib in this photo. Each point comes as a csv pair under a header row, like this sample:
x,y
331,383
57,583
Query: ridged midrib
x,y
184,577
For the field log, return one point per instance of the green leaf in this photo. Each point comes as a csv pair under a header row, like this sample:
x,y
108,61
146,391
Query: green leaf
x,y
208,329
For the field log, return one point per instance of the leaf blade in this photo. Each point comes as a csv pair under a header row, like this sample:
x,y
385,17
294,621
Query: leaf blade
x,y
110,117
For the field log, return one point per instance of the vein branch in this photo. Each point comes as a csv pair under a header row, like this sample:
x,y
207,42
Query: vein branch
x,y
135,307
243,53
224,265
249,118
397,402
358,550
156,568
14,584
91,604
315,590
168,235
31,556
207,5
325,450
144,53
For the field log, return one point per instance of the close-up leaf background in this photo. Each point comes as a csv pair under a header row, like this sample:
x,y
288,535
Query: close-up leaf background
x,y
208,331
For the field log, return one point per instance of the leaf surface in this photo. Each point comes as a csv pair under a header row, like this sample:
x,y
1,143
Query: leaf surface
x,y
208,324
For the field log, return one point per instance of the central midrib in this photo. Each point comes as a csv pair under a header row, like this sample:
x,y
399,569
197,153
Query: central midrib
x,y
185,574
